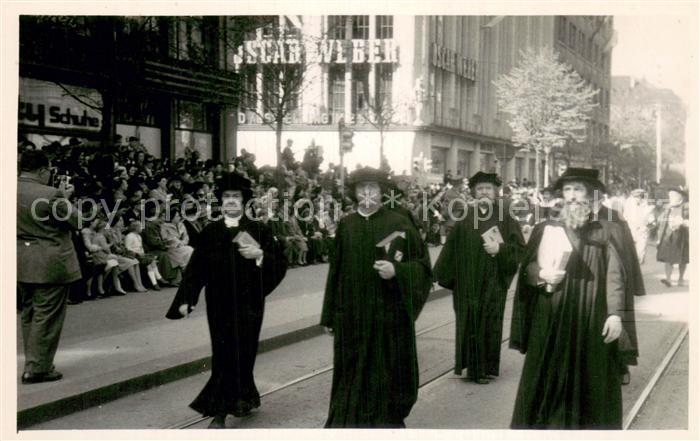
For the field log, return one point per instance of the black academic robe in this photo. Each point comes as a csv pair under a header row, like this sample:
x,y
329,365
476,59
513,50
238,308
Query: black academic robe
x,y
235,290
571,379
479,284
375,376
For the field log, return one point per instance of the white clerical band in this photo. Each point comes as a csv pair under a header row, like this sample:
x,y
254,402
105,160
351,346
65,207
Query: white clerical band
x,y
259,260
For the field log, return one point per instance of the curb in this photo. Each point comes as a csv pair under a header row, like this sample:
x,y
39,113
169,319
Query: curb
x,y
98,396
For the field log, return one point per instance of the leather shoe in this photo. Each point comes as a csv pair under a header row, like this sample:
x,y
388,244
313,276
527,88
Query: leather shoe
x,y
481,381
28,378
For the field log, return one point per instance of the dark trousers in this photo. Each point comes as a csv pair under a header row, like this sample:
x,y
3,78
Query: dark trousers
x,y
43,311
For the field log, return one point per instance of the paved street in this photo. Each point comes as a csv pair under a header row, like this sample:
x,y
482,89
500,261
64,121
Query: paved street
x,y
445,401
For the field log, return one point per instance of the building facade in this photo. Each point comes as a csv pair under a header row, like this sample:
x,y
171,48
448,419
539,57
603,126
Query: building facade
x,y
433,75
410,86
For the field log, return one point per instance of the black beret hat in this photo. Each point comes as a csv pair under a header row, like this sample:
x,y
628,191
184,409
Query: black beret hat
x,y
480,177
233,181
586,175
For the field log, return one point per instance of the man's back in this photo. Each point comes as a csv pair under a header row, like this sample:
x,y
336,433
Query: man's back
x,y
45,252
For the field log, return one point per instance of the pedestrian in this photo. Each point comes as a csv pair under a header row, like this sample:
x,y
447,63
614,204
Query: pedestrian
x,y
673,243
639,216
574,325
477,263
47,263
378,278
239,262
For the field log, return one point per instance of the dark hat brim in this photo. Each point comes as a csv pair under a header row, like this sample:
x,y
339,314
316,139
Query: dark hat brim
x,y
594,183
233,181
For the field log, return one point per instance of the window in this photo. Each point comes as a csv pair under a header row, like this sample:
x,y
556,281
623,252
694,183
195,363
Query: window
x,y
188,41
191,115
384,83
572,35
485,162
581,42
519,163
385,26
271,87
464,163
140,111
360,27
531,171
439,157
561,28
360,89
336,95
249,86
336,27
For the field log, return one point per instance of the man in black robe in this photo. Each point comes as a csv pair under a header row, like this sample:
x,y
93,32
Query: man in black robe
x,y
577,335
237,276
378,278
479,271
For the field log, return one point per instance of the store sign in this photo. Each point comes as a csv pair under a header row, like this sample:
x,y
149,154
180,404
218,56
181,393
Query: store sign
x,y
451,61
292,51
46,104
315,118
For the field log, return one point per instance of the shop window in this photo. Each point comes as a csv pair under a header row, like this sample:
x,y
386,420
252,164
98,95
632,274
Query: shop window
x,y
249,80
439,157
485,162
464,163
519,164
191,115
385,26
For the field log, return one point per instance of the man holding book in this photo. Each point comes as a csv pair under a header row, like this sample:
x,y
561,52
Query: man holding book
x,y
573,315
477,263
379,277
240,262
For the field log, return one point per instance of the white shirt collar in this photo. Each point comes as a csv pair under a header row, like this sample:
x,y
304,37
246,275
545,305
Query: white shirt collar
x,y
232,222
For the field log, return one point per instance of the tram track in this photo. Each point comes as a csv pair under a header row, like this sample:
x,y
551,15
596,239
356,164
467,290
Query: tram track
x,y
444,374
198,419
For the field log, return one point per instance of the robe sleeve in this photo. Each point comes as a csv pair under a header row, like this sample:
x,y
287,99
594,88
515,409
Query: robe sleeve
x,y
274,264
526,294
615,283
331,292
510,252
193,280
413,274
445,270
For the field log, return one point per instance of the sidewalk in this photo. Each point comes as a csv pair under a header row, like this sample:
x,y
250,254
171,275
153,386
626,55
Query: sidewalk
x,y
121,345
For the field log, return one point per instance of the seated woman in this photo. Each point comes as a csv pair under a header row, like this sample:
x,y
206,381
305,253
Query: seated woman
x,y
115,238
174,234
99,254
134,246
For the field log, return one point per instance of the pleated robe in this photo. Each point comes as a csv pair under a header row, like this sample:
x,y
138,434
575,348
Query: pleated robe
x,y
375,376
479,284
235,291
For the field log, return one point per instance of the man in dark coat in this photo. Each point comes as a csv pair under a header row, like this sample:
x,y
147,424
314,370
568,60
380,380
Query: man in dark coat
x,y
378,279
479,270
577,335
47,263
237,277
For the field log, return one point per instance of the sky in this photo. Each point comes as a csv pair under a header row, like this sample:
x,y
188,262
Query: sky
x,y
656,47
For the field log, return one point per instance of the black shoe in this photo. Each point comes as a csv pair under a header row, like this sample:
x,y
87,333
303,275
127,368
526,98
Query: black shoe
x,y
155,287
666,282
481,381
217,423
74,302
42,377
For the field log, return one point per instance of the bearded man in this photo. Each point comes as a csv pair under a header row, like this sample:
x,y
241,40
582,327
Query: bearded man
x,y
479,270
575,326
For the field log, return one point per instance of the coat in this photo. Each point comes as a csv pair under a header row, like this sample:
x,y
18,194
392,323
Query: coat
x,y
45,251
